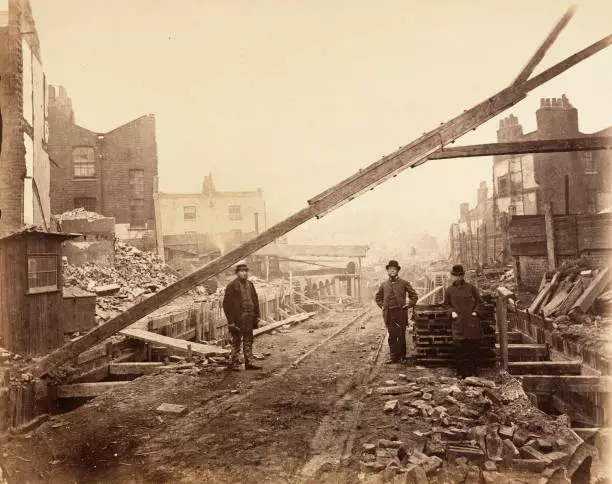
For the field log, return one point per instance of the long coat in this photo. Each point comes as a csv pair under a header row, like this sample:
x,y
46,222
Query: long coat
x,y
232,302
464,298
399,289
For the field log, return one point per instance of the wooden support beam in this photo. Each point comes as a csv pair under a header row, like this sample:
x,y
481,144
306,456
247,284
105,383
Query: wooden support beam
x,y
87,390
179,345
570,383
501,316
545,367
134,368
550,236
592,292
593,143
541,52
409,156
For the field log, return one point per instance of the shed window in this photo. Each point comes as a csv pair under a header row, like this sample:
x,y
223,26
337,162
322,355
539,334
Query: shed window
x,y
42,273
234,212
589,164
189,213
84,162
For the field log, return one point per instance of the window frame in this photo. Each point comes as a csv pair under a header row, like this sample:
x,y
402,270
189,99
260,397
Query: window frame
x,y
185,213
234,215
39,289
84,163
87,207
590,165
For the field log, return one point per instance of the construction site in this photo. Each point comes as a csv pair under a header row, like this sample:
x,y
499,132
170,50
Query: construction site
x,y
115,343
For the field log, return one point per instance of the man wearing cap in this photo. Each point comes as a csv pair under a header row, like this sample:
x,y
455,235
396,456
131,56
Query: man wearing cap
x,y
391,298
241,307
463,298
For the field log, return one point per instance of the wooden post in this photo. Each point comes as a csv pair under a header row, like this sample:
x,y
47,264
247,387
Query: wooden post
x,y
502,329
267,259
360,280
550,236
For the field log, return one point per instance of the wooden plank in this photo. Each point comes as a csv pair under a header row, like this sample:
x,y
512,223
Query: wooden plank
x,y
521,351
545,367
550,237
590,143
396,390
586,300
296,318
176,344
87,390
537,302
409,156
134,368
570,383
541,51
556,301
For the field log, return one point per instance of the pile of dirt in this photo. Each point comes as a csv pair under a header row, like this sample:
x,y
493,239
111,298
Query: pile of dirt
x,y
135,274
474,427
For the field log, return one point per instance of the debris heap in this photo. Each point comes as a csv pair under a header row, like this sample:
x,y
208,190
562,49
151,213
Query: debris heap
x,y
468,429
135,274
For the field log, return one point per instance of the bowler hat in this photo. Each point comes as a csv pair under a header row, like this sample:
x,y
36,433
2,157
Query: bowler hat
x,y
458,270
393,263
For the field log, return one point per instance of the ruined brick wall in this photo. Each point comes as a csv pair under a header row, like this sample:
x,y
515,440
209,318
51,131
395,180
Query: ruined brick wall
x,y
531,270
131,146
12,154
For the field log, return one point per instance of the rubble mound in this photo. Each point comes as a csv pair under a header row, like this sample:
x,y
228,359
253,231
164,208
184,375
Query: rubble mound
x,y
135,274
79,214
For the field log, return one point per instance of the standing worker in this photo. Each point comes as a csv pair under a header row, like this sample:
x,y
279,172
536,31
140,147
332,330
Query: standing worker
x,y
391,298
463,298
241,307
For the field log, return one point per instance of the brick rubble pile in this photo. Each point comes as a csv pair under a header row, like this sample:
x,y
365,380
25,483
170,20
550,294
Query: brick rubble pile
x,y
470,430
136,273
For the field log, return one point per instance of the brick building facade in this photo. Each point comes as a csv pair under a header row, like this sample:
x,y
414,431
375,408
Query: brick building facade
x,y
573,183
24,162
110,173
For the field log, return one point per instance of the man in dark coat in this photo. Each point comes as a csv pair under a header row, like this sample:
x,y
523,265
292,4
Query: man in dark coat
x,y
241,307
391,298
463,298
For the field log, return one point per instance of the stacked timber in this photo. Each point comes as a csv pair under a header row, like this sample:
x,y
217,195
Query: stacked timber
x,y
574,292
433,335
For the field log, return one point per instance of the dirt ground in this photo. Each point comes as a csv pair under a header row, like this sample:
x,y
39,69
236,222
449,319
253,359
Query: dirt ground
x,y
303,423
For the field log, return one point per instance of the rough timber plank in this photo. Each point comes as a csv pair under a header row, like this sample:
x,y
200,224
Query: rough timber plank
x,y
134,368
570,383
591,143
175,344
545,367
296,318
408,156
87,390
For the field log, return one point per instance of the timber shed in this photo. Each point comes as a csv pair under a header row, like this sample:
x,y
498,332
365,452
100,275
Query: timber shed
x,y
31,291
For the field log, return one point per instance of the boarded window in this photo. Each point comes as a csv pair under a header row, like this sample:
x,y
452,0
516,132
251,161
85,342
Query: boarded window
x,y
88,203
137,184
137,213
503,186
234,212
84,162
42,273
189,213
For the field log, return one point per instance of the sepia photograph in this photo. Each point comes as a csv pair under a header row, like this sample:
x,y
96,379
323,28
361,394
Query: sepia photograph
x,y
305,242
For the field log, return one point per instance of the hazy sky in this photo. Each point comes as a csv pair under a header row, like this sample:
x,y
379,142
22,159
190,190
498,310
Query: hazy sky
x,y
293,96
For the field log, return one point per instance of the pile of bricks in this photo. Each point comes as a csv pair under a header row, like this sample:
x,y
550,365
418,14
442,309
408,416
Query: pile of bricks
x,y
433,336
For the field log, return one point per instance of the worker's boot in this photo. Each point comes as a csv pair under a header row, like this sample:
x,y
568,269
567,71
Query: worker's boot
x,y
251,366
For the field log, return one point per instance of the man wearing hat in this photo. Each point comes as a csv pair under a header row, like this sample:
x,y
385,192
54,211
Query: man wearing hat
x,y
241,307
391,298
463,298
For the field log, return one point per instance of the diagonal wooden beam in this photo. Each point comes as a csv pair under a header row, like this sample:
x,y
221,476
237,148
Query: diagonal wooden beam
x,y
591,143
378,172
541,52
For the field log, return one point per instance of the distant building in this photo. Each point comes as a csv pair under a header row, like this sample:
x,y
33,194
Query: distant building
x,y
572,182
24,162
110,173
209,221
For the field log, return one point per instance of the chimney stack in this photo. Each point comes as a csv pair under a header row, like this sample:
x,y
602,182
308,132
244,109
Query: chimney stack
x,y
557,118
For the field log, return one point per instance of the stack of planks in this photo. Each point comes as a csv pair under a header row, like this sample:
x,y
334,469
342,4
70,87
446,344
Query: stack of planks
x,y
570,292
